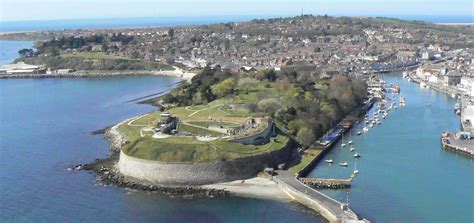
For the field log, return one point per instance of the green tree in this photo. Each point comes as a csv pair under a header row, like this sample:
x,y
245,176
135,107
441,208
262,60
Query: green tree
x,y
247,84
24,53
306,136
225,87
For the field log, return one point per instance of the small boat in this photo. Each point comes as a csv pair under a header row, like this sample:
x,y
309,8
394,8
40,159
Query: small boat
x,y
343,164
356,171
371,125
352,149
357,155
343,144
365,129
359,133
328,161
423,85
453,95
379,123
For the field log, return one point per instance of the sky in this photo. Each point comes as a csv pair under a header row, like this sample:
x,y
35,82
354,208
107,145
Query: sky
x,y
25,10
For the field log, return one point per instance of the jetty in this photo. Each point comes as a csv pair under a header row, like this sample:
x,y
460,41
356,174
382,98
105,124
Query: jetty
x,y
329,208
463,147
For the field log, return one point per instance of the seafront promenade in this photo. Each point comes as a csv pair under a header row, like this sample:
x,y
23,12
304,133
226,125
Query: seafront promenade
x,y
332,210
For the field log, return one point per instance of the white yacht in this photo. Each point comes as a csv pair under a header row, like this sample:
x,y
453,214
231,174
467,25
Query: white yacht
x,y
357,155
328,161
343,164
343,144
356,171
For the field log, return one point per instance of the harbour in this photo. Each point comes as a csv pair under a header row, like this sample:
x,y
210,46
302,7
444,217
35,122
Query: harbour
x,y
406,144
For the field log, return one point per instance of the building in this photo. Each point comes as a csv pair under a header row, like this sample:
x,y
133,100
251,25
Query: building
x,y
21,68
167,60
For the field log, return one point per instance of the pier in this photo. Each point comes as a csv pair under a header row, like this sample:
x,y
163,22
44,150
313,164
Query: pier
x,y
463,147
329,208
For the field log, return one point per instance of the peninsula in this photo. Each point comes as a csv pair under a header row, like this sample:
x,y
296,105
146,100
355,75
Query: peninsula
x,y
258,99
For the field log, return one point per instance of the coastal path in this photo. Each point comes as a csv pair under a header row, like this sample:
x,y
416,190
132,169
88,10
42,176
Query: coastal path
x,y
200,110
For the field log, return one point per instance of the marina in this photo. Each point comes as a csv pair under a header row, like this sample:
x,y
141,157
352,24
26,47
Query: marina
x,y
407,144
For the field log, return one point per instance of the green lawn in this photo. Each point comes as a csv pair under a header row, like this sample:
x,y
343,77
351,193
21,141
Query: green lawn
x,y
206,124
198,131
187,149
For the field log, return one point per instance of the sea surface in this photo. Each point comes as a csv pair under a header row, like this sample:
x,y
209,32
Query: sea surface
x,y
9,50
45,127
405,175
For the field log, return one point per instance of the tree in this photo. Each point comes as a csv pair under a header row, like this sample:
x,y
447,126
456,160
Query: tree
x,y
171,33
247,84
269,105
24,53
306,136
224,88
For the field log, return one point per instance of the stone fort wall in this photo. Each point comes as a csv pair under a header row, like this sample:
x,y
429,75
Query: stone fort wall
x,y
200,173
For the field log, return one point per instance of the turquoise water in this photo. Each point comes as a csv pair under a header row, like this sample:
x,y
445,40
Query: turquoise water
x,y
404,174
9,50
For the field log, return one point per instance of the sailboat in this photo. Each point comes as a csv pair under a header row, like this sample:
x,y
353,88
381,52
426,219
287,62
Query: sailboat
x,y
350,139
352,149
343,164
343,144
328,161
356,171
356,155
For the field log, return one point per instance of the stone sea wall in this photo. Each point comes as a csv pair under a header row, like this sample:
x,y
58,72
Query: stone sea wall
x,y
163,173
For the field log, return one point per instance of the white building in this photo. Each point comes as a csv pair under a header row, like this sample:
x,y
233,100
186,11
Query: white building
x,y
20,68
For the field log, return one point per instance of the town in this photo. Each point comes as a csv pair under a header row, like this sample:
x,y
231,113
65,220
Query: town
x,y
314,44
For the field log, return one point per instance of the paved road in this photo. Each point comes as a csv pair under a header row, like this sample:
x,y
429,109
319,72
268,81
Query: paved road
x,y
332,205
